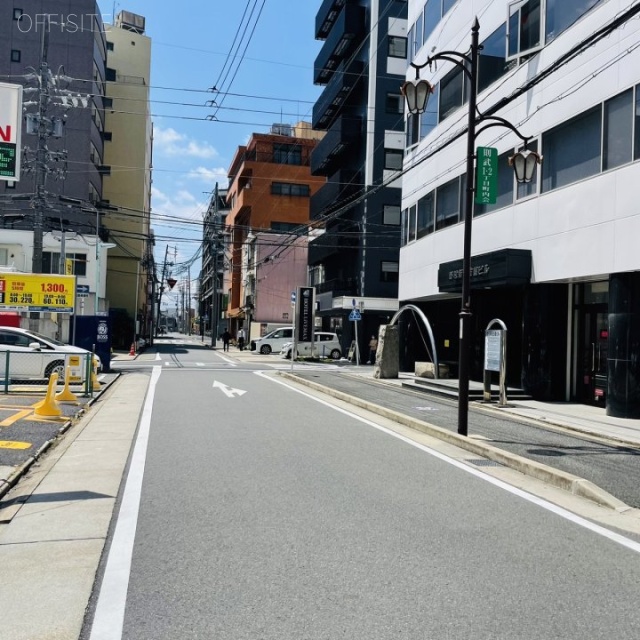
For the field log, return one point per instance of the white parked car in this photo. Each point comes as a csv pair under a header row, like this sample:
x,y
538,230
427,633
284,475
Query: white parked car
x,y
273,341
35,356
327,346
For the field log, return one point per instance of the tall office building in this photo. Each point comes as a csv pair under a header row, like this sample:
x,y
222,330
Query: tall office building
x,y
556,259
127,180
353,251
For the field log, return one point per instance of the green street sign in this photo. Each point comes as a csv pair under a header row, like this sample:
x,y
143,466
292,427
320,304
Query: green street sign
x,y
486,175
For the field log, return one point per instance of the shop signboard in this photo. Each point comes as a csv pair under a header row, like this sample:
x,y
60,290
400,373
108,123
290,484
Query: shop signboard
x,y
42,293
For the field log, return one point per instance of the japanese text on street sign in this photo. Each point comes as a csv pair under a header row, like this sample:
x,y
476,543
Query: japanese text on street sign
x,y
27,292
486,175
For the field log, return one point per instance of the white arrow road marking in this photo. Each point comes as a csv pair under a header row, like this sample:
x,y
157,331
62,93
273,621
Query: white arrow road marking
x,y
228,391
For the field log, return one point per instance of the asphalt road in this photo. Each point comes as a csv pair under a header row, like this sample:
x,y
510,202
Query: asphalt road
x,y
265,513
614,468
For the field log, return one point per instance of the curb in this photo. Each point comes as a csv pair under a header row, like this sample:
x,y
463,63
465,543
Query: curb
x,y
573,484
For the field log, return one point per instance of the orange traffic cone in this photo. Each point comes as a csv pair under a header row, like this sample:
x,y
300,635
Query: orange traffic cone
x,y
132,351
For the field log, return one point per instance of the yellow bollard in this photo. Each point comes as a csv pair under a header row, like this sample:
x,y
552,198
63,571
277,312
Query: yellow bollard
x,y
95,384
48,408
65,395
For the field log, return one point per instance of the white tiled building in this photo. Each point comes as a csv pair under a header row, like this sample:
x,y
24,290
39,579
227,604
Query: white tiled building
x,y
557,260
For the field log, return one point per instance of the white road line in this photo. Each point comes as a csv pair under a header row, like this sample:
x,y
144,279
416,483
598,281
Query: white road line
x,y
158,355
549,506
109,617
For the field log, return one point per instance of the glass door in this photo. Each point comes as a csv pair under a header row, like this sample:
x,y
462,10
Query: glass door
x,y
593,339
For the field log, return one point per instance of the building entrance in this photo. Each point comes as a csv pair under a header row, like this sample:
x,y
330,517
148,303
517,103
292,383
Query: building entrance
x,y
591,342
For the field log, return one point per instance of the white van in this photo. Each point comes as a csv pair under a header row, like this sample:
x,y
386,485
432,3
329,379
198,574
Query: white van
x,y
327,346
273,341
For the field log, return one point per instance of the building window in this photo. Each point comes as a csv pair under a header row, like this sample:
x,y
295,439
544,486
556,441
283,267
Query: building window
x,y
524,28
446,5
287,154
393,159
425,215
561,14
290,189
419,32
284,227
432,15
394,103
413,129
17,13
411,232
110,46
451,92
448,203
4,257
492,63
15,55
504,196
51,263
618,130
389,271
110,75
429,119
391,214
572,150
397,47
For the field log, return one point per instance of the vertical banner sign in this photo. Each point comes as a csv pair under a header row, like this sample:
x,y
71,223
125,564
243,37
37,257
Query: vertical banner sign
x,y
305,309
10,131
486,175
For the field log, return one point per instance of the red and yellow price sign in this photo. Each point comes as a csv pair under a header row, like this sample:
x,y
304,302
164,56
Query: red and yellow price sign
x,y
27,292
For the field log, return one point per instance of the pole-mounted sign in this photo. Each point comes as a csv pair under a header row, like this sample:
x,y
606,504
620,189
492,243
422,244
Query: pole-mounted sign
x,y
10,131
487,175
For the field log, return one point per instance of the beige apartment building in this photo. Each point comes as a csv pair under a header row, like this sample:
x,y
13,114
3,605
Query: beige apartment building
x,y
127,181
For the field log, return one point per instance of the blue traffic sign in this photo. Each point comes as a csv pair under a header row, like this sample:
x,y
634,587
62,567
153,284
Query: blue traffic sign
x,y
355,315
293,297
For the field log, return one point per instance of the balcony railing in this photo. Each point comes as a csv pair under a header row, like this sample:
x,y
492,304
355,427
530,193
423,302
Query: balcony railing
x,y
347,32
341,91
344,133
342,187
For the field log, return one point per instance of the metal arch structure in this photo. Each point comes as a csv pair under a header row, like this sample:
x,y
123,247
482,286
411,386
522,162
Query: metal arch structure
x,y
420,313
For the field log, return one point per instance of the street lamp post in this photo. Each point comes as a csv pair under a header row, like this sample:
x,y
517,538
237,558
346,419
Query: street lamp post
x,y
417,94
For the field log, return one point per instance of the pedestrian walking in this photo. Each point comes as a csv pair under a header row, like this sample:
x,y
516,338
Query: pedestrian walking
x,y
373,347
241,337
226,339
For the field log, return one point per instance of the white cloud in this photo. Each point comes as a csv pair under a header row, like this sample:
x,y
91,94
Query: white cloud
x,y
180,204
170,142
208,175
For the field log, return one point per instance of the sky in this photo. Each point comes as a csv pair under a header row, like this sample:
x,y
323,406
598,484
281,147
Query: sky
x,y
263,49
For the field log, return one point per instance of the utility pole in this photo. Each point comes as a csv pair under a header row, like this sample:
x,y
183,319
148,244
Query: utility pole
x,y
214,278
161,288
189,301
39,201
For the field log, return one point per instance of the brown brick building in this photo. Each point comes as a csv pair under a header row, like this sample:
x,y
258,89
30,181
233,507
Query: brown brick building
x,y
270,186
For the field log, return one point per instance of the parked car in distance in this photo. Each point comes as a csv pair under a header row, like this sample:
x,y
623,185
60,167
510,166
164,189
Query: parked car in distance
x,y
327,345
273,341
41,356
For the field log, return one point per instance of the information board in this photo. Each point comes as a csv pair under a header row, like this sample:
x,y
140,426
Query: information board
x,y
28,292
493,350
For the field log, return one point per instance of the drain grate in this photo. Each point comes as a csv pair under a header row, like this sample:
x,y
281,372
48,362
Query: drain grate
x,y
483,462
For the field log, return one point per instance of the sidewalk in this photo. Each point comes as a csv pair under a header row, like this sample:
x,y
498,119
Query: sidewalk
x,y
55,522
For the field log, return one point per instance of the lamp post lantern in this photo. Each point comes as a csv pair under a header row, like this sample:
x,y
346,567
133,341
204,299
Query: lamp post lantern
x,y
416,93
